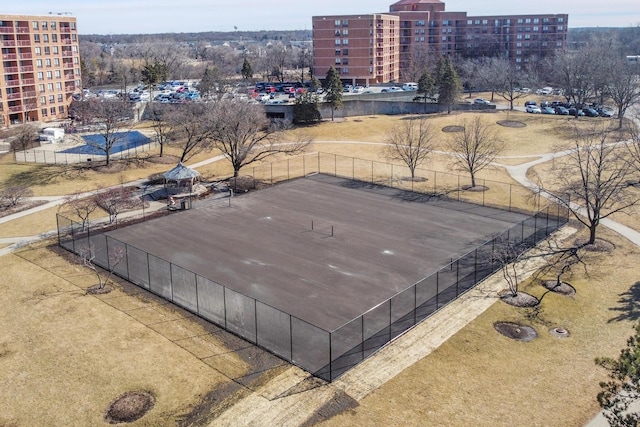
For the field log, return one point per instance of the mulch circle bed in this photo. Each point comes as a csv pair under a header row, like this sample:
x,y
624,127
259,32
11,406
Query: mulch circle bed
x,y
563,288
511,123
559,332
600,245
129,407
453,129
516,331
521,299
97,290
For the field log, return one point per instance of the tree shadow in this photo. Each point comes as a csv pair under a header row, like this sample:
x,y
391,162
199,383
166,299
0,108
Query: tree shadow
x,y
628,305
43,175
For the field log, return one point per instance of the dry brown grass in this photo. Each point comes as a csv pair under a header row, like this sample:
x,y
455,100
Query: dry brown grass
x,y
480,377
65,355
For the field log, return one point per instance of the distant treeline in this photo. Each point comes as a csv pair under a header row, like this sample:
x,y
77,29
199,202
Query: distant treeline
x,y
210,36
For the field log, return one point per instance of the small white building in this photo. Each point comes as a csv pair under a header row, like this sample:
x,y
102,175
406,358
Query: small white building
x,y
51,135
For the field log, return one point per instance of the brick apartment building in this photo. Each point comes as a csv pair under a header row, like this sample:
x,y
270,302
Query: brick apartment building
x,y
378,48
40,67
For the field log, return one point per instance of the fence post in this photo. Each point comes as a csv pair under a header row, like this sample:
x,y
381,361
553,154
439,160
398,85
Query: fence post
x,y
484,185
510,187
458,187
353,168
335,165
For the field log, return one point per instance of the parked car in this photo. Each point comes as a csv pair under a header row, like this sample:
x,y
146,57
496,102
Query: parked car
x,y
590,112
410,86
547,110
534,109
561,110
528,103
573,111
604,112
481,101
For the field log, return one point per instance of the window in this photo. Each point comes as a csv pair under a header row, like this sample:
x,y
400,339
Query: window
x,y
536,29
44,25
345,61
36,38
50,87
49,75
60,97
47,62
54,38
344,52
58,75
75,61
47,51
536,21
477,22
527,37
559,44
74,48
37,50
560,28
41,88
39,63
345,32
345,22
61,109
345,70
53,25
337,61
527,21
52,110
345,42
59,85
445,23
56,62
338,52
507,21
444,38
43,112
73,25
52,99
338,42
43,100
519,37
519,21
518,44
45,38
55,50
469,22
485,22
40,75
560,19
337,22
74,37
34,25
337,34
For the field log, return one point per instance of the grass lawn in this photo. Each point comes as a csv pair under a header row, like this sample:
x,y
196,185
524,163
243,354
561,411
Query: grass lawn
x,y
65,355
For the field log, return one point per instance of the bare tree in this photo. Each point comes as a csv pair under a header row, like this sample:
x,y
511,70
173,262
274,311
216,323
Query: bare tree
x,y
411,142
115,200
594,175
623,86
83,207
87,258
508,256
191,128
244,135
26,136
505,79
14,195
160,115
475,148
112,118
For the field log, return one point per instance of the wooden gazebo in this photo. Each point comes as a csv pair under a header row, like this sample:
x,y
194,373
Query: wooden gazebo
x,y
179,183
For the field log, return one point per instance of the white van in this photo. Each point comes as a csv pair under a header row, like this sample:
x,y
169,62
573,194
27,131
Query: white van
x,y
410,86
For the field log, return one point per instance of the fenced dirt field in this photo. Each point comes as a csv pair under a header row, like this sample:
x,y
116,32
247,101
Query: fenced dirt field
x,y
65,355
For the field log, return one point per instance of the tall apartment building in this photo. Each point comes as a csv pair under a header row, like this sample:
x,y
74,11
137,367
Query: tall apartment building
x,y
40,67
426,29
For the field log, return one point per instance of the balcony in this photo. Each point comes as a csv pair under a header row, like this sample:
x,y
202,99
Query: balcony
x,y
22,30
26,56
6,30
7,56
68,76
8,43
65,41
65,29
67,53
24,43
26,69
27,82
10,70
16,109
12,83
29,94
16,95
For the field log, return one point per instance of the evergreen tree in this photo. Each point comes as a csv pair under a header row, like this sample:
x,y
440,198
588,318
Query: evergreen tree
x,y
247,71
305,110
333,90
448,82
426,86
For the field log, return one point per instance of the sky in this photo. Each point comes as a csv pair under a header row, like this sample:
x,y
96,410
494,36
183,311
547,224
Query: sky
x,y
171,16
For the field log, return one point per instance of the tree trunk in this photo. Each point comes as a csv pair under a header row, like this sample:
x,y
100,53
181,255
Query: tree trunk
x,y
592,233
332,110
473,180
